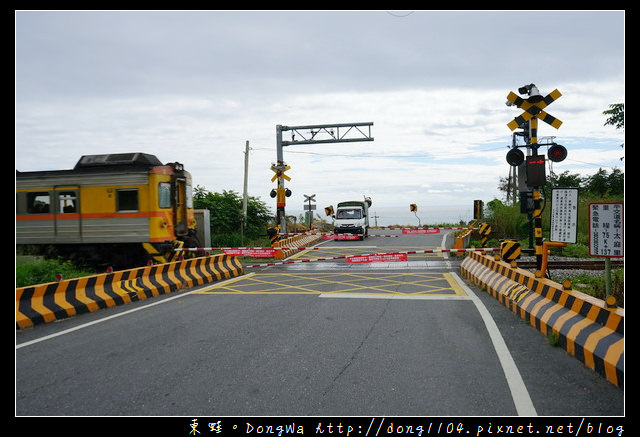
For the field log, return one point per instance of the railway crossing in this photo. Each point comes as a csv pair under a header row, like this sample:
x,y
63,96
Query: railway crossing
x,y
355,284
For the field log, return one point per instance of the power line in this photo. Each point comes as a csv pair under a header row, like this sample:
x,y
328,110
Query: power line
x,y
368,155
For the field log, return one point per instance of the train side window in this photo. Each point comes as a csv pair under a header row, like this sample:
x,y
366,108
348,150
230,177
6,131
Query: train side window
x,y
164,195
67,202
38,202
127,200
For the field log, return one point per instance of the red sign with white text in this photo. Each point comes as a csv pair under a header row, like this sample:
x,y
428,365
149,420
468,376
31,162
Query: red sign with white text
x,y
375,258
340,237
255,252
421,231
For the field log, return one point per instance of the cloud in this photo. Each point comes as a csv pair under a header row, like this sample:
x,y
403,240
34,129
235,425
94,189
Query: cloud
x,y
194,86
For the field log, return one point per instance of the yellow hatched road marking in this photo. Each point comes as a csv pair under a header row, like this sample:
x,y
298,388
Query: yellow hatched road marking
x,y
329,251
403,284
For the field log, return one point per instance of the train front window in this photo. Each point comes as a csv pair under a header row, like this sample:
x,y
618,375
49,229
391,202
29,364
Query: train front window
x,y
189,197
127,200
164,195
38,203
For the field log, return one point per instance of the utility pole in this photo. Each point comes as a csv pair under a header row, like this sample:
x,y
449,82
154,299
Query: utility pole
x,y
244,192
309,134
246,175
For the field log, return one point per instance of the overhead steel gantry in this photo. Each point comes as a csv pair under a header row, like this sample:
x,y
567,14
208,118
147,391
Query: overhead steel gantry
x,y
310,134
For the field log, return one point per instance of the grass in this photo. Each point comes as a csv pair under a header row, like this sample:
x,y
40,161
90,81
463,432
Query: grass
x,y
596,286
30,270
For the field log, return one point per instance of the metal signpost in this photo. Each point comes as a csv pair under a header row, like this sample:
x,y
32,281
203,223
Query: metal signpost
x,y
310,207
564,215
309,134
606,234
606,230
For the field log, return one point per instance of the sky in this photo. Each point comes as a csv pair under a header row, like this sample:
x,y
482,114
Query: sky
x,y
195,86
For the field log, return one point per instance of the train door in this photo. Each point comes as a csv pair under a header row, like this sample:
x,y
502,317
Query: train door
x,y
66,213
180,207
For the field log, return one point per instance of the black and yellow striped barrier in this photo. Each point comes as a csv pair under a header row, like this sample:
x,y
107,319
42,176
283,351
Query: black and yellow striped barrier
x,y
292,243
484,231
45,303
586,327
510,250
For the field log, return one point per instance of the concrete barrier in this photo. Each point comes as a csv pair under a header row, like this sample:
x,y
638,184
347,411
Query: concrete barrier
x,y
45,303
302,240
586,328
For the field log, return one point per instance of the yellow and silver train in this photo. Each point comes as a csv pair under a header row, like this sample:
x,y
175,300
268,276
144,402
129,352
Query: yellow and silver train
x,y
116,209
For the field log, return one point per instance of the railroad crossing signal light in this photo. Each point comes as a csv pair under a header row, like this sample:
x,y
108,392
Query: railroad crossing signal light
x,y
515,157
557,153
413,207
536,176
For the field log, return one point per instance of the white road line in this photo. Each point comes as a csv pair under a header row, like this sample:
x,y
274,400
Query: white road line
x,y
124,313
519,393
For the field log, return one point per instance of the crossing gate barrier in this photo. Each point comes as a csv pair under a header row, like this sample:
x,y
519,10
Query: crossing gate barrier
x,y
462,239
586,327
53,301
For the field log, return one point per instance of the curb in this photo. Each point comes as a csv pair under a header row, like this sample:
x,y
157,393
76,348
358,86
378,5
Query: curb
x,y
53,301
586,328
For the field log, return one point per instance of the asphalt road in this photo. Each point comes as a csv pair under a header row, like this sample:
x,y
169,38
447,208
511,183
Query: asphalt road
x,y
309,339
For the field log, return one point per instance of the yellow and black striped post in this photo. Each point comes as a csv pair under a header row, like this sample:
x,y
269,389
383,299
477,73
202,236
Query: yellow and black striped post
x,y
533,111
485,230
537,226
272,233
510,250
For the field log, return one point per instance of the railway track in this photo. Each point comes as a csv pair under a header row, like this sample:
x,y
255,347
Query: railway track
x,y
577,264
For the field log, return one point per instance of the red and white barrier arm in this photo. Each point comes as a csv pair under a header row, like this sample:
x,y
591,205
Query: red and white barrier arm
x,y
372,254
325,234
209,249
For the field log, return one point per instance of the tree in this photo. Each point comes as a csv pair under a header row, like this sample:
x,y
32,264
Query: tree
x,y
564,180
616,115
225,211
616,182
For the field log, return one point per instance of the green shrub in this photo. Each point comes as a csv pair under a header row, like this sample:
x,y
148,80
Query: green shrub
x,y
40,272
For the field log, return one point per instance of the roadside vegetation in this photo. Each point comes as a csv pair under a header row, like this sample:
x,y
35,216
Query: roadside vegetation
x,y
508,222
603,186
35,270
